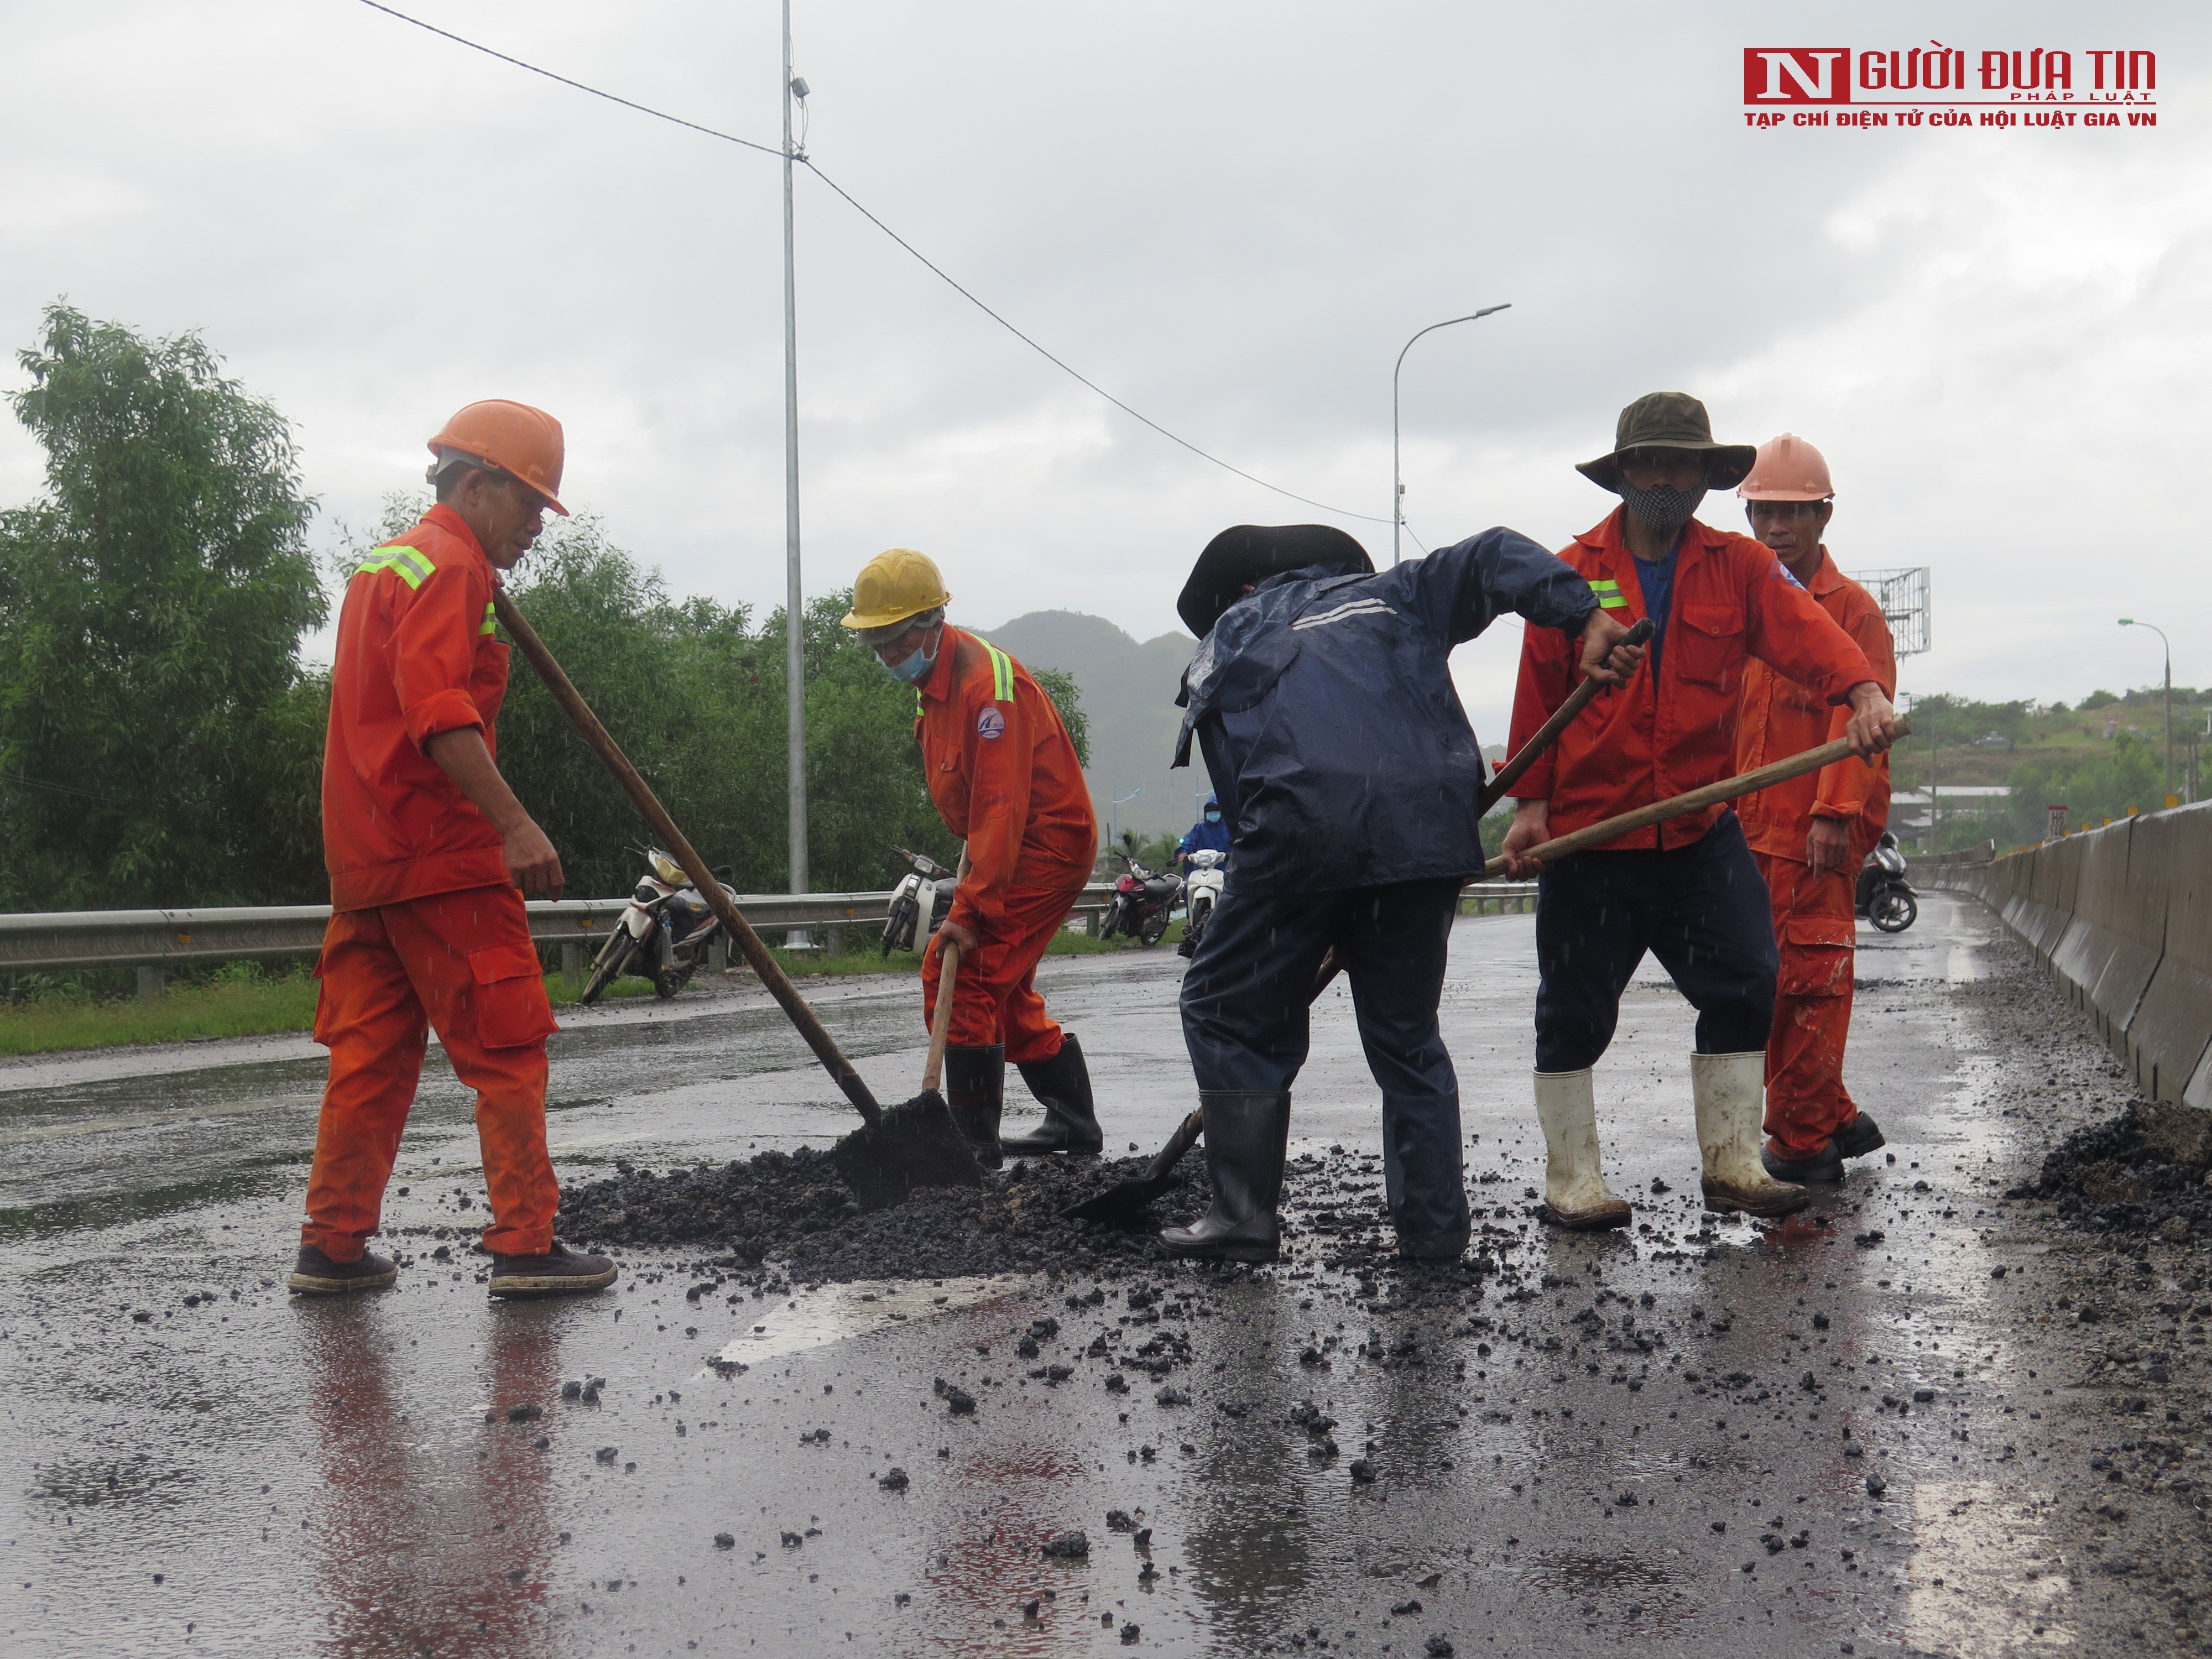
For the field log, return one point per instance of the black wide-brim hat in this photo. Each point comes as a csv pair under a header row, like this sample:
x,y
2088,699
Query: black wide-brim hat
x,y
1248,554
1670,420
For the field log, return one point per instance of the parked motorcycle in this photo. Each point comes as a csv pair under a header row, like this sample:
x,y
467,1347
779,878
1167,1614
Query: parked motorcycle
x,y
664,934
1143,901
921,901
1201,892
1884,897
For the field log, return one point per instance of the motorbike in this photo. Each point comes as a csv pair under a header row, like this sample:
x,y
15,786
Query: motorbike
x,y
1201,892
921,901
1143,901
663,932
1884,897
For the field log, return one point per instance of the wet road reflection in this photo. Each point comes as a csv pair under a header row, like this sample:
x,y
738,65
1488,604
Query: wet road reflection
x,y
1663,1436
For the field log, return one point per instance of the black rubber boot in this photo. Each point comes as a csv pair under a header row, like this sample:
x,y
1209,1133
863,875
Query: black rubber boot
x,y
560,1272
1062,1086
1247,1135
315,1274
975,1090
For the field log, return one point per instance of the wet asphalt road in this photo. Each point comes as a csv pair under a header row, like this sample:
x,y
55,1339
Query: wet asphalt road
x,y
1625,1440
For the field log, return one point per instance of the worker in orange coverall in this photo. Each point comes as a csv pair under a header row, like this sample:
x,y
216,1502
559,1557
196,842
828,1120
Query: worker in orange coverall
x,y
1810,835
430,854
1002,771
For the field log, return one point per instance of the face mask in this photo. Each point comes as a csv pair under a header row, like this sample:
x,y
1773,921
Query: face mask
x,y
1213,815
1664,509
916,667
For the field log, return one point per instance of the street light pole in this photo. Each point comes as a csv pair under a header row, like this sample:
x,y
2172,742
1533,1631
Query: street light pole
x,y
794,646
1397,488
2130,622
1132,795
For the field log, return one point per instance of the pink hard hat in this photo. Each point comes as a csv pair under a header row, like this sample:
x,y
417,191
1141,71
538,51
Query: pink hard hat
x,y
1787,470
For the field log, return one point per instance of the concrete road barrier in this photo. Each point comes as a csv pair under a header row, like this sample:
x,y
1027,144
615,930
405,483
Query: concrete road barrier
x,y
2122,916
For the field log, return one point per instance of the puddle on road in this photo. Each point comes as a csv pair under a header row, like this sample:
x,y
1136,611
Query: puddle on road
x,y
815,1319
1985,1579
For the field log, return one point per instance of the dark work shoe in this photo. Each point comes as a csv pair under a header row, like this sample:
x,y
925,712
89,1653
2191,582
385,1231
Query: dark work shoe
x,y
1824,1165
560,1272
316,1274
975,1093
1062,1086
1857,1138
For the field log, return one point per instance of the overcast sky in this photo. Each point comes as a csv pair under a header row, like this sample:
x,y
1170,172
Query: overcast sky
x,y
1231,215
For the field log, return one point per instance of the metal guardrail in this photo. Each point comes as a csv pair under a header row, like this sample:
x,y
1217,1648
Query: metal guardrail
x,y
157,938
56,939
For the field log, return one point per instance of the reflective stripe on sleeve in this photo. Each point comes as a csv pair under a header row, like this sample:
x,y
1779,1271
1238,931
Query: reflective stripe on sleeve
x,y
490,621
1002,674
1608,593
411,564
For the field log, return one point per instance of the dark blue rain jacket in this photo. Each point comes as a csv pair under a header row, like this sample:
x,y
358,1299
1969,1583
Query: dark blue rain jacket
x,y
1324,706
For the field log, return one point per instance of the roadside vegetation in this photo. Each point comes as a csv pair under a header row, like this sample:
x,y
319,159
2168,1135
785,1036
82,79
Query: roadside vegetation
x,y
2099,757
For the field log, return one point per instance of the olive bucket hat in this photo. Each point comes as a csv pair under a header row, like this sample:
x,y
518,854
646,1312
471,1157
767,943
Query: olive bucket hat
x,y
1670,420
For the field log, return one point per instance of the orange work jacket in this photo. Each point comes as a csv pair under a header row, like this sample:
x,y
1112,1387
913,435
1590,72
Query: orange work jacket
x,y
416,655
1781,719
1732,602
1002,773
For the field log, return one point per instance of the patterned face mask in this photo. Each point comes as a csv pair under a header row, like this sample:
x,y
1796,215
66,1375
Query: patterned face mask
x,y
1664,509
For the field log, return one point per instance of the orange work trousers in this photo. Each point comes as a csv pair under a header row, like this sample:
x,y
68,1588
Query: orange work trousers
x,y
464,964
1813,928
994,1000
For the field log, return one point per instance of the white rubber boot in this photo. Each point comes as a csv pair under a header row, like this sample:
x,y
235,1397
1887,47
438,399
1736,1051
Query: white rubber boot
x,y
1574,1193
1730,1090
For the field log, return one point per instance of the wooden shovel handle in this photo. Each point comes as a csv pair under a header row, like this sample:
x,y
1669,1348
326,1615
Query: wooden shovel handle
x,y
940,1025
1561,717
1744,783
679,846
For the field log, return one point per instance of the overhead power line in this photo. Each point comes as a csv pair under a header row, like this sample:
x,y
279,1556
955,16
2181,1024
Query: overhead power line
x,y
927,264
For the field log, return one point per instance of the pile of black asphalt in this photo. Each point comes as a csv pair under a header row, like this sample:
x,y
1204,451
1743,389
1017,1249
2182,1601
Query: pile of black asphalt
x,y
792,1209
2140,1171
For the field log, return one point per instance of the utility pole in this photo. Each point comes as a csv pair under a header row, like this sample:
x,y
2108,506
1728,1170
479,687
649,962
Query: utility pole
x,y
2130,622
794,651
1397,488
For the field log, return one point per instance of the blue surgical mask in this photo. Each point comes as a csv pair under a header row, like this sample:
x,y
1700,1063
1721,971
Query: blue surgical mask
x,y
915,668
1213,814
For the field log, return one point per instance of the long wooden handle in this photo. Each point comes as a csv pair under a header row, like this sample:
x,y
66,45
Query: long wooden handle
x,y
1510,773
679,845
940,1027
1745,783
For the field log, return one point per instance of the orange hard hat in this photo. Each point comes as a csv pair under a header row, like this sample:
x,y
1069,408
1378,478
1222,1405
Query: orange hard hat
x,y
1787,470
512,437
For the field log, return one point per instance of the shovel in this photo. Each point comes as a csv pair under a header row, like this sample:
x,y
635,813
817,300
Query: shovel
x,y
1125,1199
914,1144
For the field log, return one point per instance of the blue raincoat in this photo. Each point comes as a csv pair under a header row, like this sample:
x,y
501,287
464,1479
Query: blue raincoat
x,y
1324,706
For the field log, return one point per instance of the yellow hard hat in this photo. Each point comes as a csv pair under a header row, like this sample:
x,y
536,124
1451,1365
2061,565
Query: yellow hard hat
x,y
894,586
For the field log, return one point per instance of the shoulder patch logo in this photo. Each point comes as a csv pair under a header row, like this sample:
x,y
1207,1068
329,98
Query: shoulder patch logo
x,y
990,724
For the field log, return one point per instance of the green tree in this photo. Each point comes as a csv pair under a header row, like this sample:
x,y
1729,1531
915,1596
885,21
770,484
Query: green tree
x,y
152,601
2128,772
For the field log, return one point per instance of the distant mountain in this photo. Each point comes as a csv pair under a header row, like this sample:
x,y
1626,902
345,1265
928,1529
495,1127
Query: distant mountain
x,y
1128,691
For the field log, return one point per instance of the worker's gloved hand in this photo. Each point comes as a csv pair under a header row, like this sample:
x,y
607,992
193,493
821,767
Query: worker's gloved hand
x,y
1601,661
959,933
1873,726
1531,825
531,863
1825,844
